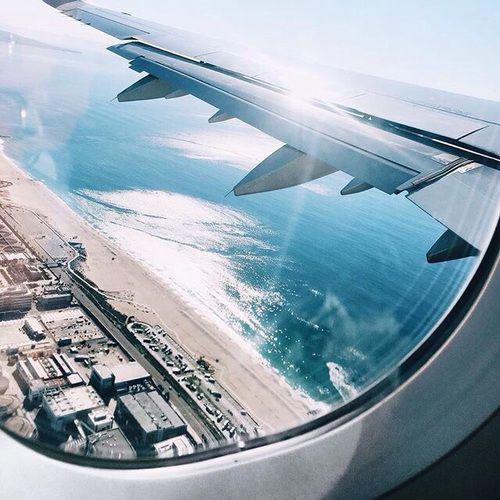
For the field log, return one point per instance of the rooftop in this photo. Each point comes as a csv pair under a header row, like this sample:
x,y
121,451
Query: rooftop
x,y
14,289
151,411
66,402
129,372
34,324
102,371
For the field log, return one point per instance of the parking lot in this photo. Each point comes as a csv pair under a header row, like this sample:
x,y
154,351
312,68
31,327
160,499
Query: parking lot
x,y
197,377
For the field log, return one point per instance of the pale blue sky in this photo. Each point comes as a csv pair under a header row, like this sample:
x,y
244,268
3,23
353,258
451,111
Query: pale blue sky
x,y
448,44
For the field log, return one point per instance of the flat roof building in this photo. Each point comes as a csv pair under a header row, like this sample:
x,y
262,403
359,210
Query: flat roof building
x,y
102,379
34,329
55,297
100,420
15,299
128,374
147,418
64,405
175,447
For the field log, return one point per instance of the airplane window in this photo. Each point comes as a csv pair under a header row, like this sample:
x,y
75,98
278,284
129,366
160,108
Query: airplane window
x,y
170,286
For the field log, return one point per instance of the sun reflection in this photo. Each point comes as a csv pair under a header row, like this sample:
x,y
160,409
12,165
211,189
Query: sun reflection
x,y
24,114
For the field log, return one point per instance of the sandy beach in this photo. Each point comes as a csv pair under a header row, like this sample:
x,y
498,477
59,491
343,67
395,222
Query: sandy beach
x,y
268,398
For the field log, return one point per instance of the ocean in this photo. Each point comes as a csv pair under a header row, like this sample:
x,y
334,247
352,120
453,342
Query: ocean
x,y
332,291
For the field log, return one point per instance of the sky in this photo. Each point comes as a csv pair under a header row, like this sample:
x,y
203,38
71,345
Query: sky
x,y
447,44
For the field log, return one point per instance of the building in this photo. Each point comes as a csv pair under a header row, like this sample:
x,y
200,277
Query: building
x,y
64,363
128,374
70,325
23,375
100,420
176,447
147,418
36,388
32,272
102,379
65,405
53,371
55,297
34,329
75,379
35,369
15,299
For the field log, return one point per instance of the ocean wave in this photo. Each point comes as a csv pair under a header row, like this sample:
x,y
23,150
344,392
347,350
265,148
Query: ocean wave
x,y
340,381
194,246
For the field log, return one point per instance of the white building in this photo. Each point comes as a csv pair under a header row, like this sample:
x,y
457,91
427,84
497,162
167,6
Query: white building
x,y
65,405
100,420
128,374
34,329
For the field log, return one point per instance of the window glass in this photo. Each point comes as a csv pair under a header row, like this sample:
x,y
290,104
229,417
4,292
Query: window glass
x,y
144,314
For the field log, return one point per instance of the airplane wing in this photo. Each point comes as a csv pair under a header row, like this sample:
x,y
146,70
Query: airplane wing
x,y
441,149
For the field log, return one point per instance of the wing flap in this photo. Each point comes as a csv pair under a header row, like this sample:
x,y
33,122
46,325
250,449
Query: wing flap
x,y
449,201
284,168
385,134
450,247
146,88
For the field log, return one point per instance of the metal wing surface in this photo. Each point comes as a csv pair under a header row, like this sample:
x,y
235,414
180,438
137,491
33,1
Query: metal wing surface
x,y
441,149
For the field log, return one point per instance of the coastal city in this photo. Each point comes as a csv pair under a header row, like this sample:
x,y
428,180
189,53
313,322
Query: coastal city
x,y
77,374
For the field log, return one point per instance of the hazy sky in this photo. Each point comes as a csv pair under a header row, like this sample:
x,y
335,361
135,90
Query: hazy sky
x,y
448,44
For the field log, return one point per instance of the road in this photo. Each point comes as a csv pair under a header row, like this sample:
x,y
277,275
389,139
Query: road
x,y
192,417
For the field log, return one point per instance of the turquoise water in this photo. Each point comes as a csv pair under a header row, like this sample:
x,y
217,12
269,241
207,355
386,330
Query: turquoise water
x,y
331,290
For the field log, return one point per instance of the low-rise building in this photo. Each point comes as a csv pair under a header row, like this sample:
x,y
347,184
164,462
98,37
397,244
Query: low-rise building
x,y
147,418
15,299
32,272
128,374
75,379
34,329
36,389
176,447
102,379
55,297
65,405
100,420
64,363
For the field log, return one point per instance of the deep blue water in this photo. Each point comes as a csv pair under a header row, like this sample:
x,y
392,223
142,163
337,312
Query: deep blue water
x,y
331,289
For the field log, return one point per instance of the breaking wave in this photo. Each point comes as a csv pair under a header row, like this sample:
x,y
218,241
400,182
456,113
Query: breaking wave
x,y
195,246
340,380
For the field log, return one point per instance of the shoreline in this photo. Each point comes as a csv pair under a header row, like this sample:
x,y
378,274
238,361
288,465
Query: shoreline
x,y
240,368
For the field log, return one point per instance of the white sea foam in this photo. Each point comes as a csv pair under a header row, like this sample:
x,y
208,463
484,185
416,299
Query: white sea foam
x,y
340,380
191,245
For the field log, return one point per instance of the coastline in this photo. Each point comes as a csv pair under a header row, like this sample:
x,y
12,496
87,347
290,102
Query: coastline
x,y
240,368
